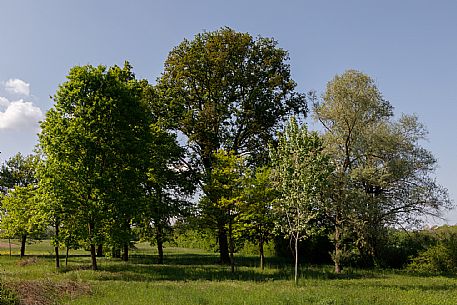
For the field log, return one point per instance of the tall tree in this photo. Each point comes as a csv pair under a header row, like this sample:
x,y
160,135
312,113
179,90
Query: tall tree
x,y
226,181
382,174
255,219
224,89
167,188
300,171
96,134
56,202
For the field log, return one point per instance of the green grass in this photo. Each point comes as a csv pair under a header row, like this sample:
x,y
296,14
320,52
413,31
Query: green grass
x,y
192,277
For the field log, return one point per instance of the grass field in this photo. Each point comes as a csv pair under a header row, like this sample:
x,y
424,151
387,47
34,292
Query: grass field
x,y
192,277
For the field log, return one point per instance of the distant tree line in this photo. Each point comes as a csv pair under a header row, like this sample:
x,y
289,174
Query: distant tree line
x,y
221,141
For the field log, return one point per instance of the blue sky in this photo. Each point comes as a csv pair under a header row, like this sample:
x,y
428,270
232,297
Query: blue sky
x,y
408,47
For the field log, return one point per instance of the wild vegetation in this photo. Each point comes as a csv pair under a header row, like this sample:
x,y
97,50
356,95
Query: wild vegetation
x,y
219,149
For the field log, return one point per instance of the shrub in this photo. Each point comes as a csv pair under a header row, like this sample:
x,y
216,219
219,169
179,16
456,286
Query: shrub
x,y
439,258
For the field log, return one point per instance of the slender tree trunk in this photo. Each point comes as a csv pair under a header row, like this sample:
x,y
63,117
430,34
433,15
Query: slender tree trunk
x,y
66,257
223,246
100,250
125,255
9,243
337,256
262,255
232,248
159,239
56,248
23,242
296,259
93,253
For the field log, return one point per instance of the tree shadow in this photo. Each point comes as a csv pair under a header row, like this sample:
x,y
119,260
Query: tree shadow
x,y
195,267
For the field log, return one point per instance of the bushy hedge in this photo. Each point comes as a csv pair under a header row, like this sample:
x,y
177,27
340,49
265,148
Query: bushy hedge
x,y
440,257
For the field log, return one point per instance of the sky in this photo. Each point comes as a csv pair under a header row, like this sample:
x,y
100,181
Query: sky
x,y
408,47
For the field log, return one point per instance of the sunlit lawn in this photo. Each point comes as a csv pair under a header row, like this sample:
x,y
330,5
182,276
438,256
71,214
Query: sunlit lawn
x,y
193,277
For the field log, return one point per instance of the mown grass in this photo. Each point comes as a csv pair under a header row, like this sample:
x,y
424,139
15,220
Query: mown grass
x,y
193,277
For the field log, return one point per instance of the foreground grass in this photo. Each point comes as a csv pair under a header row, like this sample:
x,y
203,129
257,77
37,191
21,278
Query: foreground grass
x,y
192,277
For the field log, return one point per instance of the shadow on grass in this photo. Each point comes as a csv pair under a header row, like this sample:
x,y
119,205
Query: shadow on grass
x,y
199,259
194,267
131,272
429,287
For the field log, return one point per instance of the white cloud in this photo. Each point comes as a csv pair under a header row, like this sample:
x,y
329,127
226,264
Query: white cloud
x,y
4,102
17,86
20,115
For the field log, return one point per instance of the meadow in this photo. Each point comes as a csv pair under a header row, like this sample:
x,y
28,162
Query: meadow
x,y
191,276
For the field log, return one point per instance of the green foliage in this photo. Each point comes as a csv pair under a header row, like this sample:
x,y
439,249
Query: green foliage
x,y
400,246
440,257
254,222
18,170
300,171
168,185
20,213
203,239
250,248
94,141
226,90
382,175
255,216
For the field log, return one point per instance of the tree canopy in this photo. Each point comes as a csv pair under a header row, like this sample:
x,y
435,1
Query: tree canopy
x,y
225,89
382,174
96,134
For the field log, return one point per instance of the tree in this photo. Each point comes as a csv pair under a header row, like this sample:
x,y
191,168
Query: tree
x,y
300,171
95,137
226,181
57,204
18,170
226,90
255,219
19,214
382,174
167,187
18,182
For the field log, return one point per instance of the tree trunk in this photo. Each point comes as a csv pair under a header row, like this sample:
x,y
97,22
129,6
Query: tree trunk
x,y
223,246
93,256
125,255
66,257
337,256
9,243
100,250
93,253
56,248
296,259
115,252
262,256
232,248
23,241
159,239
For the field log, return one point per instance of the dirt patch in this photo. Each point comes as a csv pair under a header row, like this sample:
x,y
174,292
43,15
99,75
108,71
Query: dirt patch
x,y
47,292
27,261
6,245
